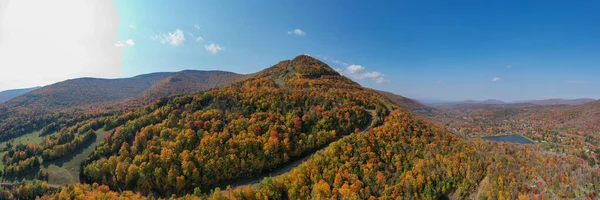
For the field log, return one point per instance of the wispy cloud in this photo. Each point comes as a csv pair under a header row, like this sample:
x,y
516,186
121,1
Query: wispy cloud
x,y
340,62
297,32
213,48
131,26
197,27
175,38
328,58
509,66
496,79
197,38
123,43
355,71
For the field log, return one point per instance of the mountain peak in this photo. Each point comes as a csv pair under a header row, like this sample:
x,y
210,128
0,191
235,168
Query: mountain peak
x,y
302,65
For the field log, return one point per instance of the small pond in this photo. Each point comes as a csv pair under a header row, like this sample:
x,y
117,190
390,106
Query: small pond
x,y
509,138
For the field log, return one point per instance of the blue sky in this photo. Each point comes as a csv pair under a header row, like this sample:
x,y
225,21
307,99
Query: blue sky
x,y
445,50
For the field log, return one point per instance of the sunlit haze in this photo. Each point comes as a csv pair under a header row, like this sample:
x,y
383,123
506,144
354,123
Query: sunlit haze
x,y
43,42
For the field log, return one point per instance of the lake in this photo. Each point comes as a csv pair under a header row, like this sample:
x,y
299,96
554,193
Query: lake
x,y
509,138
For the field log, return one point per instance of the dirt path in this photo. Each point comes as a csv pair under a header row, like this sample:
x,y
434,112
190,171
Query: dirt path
x,y
289,166
7,184
480,186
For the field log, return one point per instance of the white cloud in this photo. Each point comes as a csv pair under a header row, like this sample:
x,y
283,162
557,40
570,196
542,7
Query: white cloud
x,y
297,32
495,79
128,42
359,72
197,27
131,26
213,48
175,38
57,40
355,71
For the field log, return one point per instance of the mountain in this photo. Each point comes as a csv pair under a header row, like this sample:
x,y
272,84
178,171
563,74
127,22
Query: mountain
x,y
295,110
492,101
186,82
562,101
269,120
296,130
94,96
85,92
9,94
407,103
487,101
470,102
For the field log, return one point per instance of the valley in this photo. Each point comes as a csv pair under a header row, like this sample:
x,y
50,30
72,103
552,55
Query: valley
x,y
509,138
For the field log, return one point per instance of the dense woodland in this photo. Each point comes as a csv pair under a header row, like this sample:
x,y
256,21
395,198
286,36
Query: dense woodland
x,y
251,127
192,146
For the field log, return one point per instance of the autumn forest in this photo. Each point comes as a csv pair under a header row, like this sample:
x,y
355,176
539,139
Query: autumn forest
x,y
296,130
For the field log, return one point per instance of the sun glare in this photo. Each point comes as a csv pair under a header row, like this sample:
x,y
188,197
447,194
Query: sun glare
x,y
55,40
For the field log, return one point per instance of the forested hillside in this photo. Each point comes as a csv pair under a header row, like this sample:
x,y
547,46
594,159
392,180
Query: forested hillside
x,y
79,99
195,145
84,92
252,127
186,82
408,103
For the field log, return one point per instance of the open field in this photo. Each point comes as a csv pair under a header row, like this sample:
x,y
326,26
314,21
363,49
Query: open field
x,y
66,170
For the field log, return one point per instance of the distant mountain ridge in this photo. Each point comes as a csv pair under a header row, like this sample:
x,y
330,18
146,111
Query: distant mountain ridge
x,y
545,102
188,81
86,91
487,101
10,94
562,101
141,89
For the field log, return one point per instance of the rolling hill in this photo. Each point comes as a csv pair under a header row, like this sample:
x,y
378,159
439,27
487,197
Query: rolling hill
x,y
186,82
10,94
94,96
562,101
85,92
408,103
